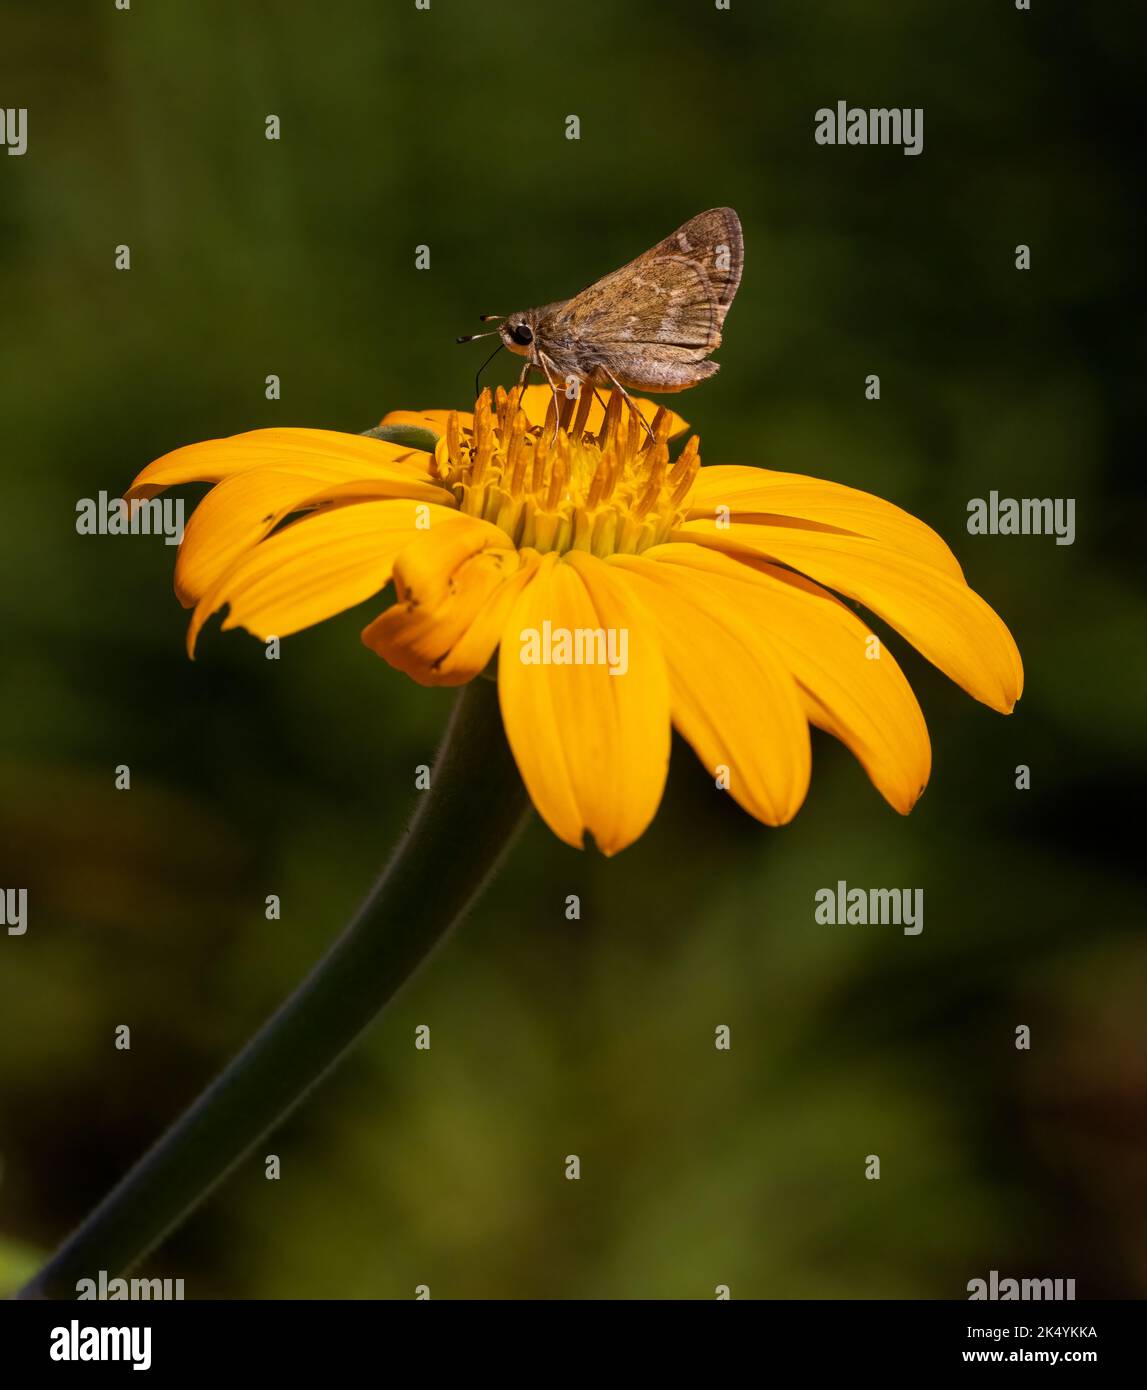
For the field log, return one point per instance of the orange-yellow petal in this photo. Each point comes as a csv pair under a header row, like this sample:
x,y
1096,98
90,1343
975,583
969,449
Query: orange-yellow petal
x,y
317,566
943,619
455,587
849,688
432,420
323,455
592,747
536,402
244,508
762,495
732,697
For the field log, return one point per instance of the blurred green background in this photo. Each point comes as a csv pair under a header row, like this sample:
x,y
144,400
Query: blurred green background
x,y
251,777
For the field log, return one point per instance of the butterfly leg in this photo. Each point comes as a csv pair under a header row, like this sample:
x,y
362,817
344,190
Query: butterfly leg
x,y
546,364
632,403
523,377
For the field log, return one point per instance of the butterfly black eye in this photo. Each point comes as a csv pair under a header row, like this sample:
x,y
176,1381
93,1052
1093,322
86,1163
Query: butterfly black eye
x,y
522,334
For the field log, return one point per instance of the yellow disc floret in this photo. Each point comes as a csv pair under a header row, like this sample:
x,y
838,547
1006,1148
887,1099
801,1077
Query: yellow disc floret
x,y
614,492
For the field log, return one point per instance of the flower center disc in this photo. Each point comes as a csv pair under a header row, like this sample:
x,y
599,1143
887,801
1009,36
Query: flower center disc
x,y
613,492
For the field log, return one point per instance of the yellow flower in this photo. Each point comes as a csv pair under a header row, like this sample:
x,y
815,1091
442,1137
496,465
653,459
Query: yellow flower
x,y
626,592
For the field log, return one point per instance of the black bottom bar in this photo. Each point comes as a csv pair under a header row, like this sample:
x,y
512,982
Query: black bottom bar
x,y
170,1341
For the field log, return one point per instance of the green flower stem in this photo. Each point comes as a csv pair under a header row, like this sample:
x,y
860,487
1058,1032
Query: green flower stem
x,y
460,832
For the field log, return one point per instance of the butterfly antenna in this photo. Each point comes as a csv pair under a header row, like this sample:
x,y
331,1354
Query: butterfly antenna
x,y
482,318
484,365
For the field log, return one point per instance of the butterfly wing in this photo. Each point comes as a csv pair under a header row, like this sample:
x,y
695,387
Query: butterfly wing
x,y
654,321
656,299
713,240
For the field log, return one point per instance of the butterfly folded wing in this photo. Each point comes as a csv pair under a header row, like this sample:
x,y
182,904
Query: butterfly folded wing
x,y
715,242
651,324
666,300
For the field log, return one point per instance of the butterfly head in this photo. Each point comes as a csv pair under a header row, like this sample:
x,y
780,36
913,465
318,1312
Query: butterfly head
x,y
517,332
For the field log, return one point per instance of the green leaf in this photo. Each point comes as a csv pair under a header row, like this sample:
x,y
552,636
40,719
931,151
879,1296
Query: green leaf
x,y
408,436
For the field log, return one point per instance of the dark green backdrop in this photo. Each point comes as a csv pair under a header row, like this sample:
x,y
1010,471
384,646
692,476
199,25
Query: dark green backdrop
x,y
252,777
